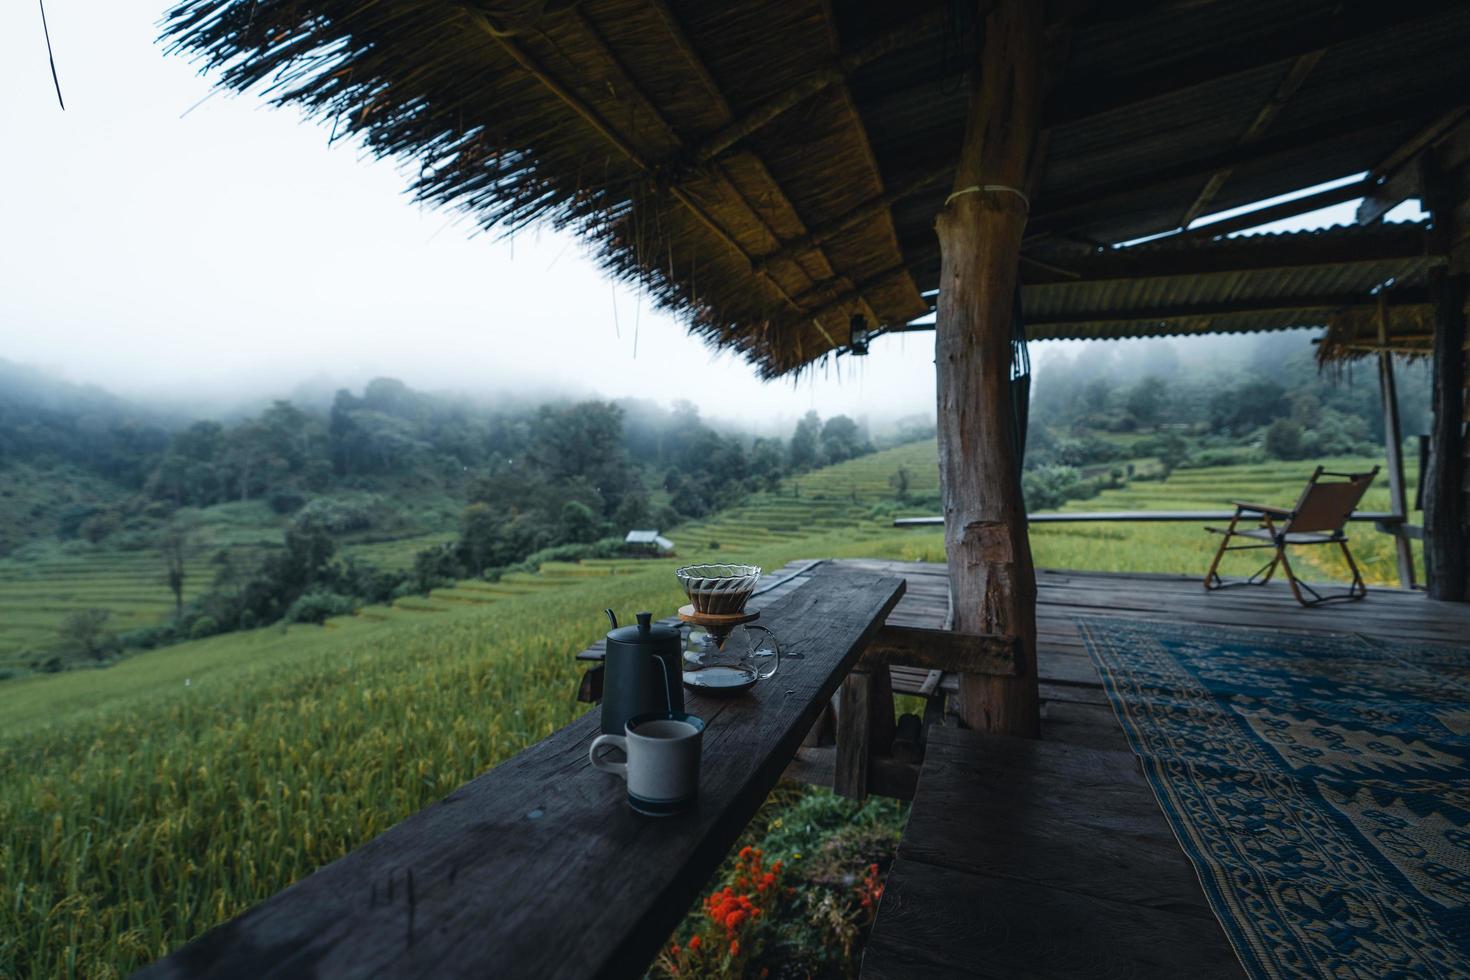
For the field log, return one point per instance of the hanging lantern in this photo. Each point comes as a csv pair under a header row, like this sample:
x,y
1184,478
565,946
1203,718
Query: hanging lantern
x,y
857,342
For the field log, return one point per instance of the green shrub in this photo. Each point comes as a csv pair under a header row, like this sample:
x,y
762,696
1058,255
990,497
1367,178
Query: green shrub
x,y
202,627
1285,440
318,607
285,501
336,516
148,637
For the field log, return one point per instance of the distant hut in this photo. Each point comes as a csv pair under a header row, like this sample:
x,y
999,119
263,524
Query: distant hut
x,y
649,543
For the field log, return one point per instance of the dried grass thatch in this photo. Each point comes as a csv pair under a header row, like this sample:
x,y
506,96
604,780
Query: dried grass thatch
x,y
1354,334
528,111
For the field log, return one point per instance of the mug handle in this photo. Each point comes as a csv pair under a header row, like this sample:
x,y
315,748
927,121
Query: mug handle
x,y
616,768
775,653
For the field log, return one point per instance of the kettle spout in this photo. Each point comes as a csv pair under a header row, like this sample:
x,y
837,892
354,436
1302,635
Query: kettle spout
x,y
612,618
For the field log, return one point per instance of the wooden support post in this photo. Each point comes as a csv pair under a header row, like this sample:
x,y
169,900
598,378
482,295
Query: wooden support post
x,y
980,230
850,772
866,726
1446,538
1446,521
1393,443
882,718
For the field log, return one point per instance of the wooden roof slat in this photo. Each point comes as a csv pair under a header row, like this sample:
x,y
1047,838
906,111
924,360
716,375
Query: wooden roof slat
x,y
1295,76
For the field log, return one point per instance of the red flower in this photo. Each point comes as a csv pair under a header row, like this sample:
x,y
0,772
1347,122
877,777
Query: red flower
x,y
734,947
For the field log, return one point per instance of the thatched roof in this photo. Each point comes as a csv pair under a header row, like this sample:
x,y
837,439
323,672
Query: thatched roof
x,y
768,169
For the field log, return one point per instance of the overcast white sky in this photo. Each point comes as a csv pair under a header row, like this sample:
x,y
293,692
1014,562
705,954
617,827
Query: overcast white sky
x,y
230,252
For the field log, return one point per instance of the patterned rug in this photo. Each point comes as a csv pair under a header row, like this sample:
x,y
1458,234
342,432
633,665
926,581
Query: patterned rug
x,y
1319,784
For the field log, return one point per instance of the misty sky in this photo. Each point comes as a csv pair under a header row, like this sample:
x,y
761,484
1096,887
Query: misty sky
x,y
158,245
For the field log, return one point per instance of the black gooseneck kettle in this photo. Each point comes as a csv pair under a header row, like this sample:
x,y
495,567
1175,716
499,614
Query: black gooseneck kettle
x,y
642,671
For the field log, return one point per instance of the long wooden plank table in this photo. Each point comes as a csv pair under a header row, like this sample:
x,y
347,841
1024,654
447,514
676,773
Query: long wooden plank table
x,y
538,868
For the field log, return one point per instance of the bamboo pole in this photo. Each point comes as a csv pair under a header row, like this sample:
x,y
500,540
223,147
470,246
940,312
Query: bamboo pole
x,y
1393,442
992,579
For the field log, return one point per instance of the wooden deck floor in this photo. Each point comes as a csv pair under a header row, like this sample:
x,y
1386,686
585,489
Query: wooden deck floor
x,y
1076,872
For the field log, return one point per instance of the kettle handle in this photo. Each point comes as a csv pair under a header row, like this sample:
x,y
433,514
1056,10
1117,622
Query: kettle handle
x,y
612,618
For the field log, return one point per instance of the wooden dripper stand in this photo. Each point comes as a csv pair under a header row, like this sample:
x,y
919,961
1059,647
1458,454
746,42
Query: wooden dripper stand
x,y
718,625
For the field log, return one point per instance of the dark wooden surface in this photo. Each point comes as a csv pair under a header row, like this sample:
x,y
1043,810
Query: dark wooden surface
x,y
940,649
1038,858
1066,867
538,868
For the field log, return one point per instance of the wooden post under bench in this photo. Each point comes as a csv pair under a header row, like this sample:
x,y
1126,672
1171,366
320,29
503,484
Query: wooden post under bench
x,y
866,726
538,868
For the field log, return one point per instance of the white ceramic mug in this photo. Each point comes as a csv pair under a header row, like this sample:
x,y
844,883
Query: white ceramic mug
x,y
662,770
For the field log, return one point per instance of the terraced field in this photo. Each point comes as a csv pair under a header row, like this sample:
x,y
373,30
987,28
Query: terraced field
x,y
854,500
35,596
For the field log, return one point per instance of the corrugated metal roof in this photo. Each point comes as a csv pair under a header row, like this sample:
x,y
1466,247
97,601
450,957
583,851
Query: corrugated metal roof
x,y
1240,299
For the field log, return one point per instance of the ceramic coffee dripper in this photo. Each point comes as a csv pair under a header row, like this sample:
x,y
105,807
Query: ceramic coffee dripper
x,y
662,770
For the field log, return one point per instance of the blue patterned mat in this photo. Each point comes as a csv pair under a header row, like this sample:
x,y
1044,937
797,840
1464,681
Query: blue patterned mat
x,y
1319,784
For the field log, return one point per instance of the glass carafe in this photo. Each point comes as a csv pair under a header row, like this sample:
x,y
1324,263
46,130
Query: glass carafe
x,y
726,661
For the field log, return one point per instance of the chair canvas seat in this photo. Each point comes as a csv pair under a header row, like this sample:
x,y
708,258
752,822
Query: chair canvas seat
x,y
1319,516
1292,537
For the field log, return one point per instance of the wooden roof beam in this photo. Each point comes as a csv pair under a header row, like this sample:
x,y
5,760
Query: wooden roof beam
x,y
1295,76
604,128
1396,179
869,209
1057,211
1355,19
686,47
1084,99
1260,254
1276,212
901,37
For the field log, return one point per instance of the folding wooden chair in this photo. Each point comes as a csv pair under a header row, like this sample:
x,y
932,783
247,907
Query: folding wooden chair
x,y
1318,518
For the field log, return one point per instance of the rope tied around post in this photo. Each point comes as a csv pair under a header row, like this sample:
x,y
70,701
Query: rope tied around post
x,y
989,189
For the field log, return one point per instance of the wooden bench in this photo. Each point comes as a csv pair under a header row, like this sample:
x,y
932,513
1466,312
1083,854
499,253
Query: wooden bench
x,y
1029,858
538,868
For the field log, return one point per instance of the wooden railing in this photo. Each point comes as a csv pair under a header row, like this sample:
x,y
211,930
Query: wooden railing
x,y
872,754
1145,517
